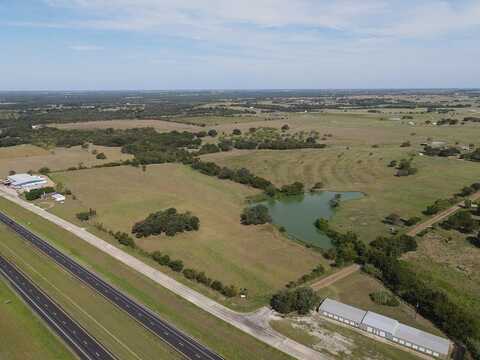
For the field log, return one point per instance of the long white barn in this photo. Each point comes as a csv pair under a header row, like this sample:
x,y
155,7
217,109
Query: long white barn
x,y
387,328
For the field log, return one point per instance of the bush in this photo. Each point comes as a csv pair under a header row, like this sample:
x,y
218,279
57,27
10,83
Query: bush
x,y
125,239
101,156
297,188
230,291
190,274
83,216
412,221
384,298
44,170
217,285
212,132
372,270
255,215
176,265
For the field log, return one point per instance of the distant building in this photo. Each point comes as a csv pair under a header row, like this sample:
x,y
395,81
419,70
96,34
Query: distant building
x,y
387,328
26,182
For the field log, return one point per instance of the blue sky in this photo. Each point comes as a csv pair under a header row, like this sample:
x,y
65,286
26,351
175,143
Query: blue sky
x,y
205,44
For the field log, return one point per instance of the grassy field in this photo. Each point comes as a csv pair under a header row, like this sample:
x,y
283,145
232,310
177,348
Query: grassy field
x,y
226,340
23,336
258,258
159,125
23,158
96,314
355,289
448,260
351,163
337,341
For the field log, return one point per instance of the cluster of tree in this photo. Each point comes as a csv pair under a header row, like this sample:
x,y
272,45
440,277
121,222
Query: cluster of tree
x,y
315,273
302,300
200,277
242,176
86,215
461,221
289,144
255,215
442,152
469,190
296,188
405,168
167,221
35,194
384,298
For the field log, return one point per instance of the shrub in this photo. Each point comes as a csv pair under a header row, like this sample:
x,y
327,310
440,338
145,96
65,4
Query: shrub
x,y
190,274
230,291
217,285
212,132
125,239
296,188
176,265
44,170
101,156
83,216
412,221
255,215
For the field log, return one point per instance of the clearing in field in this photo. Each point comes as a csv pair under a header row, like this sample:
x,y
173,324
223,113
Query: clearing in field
x,y
23,158
258,258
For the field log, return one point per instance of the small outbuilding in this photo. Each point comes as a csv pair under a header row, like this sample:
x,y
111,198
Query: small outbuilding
x,y
58,197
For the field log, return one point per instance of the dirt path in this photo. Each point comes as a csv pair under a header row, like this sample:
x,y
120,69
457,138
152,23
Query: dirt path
x,y
440,216
255,324
329,280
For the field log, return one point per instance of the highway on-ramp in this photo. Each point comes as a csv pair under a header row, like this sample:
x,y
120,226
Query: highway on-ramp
x,y
184,344
79,340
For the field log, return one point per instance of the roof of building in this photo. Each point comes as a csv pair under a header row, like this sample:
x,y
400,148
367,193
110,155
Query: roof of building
x,y
422,338
343,310
20,179
380,322
58,197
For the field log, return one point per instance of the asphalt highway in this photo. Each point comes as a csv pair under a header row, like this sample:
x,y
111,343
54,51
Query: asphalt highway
x,y
80,341
184,344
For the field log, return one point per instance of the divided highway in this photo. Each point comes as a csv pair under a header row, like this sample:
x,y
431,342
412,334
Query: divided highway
x,y
81,342
185,345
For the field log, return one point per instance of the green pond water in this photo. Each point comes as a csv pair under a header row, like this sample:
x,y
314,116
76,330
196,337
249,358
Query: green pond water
x,y
298,213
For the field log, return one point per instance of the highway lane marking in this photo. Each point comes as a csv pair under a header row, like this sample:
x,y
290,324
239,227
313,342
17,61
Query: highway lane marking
x,y
71,301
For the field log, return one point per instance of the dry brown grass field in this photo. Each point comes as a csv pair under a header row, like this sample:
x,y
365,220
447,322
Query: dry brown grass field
x,y
258,258
23,158
159,125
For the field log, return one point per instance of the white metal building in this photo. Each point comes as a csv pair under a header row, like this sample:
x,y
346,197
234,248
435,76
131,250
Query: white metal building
x,y
26,181
387,328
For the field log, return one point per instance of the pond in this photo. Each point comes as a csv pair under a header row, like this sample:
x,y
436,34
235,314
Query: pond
x,y
298,213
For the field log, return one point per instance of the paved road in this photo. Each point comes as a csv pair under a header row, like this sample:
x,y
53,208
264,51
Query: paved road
x,y
341,274
80,341
440,216
255,324
188,347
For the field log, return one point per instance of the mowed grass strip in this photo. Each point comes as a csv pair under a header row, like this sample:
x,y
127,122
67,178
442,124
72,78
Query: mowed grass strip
x,y
23,158
210,331
258,258
111,326
23,335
